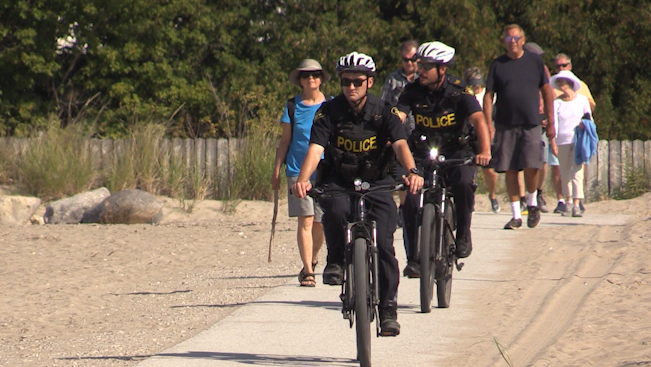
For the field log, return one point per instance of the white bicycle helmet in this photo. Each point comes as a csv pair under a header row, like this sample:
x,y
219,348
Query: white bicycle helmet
x,y
435,53
356,62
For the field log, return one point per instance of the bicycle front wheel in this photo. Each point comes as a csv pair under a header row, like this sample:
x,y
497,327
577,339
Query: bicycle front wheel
x,y
363,310
427,258
444,282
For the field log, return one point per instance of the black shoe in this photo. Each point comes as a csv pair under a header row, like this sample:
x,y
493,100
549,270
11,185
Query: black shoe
x,y
400,216
495,205
464,245
534,216
412,270
542,204
389,319
560,208
333,274
581,207
513,224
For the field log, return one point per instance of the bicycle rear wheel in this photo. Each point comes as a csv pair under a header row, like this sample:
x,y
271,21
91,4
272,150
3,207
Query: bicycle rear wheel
x,y
427,258
444,282
363,310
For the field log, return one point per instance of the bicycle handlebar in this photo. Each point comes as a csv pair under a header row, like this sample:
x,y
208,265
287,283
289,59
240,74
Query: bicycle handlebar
x,y
317,192
466,161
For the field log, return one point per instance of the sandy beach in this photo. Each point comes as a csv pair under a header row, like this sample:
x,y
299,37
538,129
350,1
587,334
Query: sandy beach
x,y
93,295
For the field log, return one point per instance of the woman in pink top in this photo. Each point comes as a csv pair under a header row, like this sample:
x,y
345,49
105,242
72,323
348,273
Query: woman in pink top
x,y
569,108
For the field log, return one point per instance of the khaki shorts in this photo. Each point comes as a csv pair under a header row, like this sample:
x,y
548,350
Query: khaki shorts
x,y
305,207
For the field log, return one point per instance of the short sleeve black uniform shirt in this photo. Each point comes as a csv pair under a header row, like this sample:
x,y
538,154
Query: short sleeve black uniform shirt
x,y
441,116
347,135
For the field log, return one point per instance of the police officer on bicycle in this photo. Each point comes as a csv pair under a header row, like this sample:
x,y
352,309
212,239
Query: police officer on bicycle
x,y
354,130
446,113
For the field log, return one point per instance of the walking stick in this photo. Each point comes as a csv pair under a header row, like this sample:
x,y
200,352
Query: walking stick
x,y
273,223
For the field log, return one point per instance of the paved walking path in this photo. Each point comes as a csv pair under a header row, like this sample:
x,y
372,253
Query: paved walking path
x,y
295,326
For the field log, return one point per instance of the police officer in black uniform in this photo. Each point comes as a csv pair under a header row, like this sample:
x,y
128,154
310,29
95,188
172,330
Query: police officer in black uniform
x,y
445,111
355,129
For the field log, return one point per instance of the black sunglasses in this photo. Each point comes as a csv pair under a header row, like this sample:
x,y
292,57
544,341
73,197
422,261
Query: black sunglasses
x,y
563,65
412,59
426,66
307,74
345,82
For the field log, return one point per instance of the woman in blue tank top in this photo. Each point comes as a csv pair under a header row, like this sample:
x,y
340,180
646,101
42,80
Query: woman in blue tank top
x,y
297,124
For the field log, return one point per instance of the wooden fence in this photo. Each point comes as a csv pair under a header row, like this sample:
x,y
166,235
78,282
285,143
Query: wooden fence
x,y
609,168
212,157
606,172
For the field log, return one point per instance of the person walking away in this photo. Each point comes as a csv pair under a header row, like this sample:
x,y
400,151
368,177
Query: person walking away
x,y
393,86
516,77
297,124
354,131
569,107
446,112
474,78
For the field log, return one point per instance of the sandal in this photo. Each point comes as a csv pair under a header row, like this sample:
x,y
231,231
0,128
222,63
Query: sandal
x,y
306,279
314,264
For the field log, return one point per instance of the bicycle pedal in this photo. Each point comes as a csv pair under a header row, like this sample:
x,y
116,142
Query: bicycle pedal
x,y
459,265
388,334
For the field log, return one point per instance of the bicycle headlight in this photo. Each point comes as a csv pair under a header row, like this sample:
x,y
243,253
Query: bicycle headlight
x,y
358,184
433,154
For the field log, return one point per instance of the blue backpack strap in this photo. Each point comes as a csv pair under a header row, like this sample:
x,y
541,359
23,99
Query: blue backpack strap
x,y
291,109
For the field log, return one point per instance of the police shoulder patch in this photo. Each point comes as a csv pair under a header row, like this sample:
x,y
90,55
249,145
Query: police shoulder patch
x,y
319,114
468,90
457,81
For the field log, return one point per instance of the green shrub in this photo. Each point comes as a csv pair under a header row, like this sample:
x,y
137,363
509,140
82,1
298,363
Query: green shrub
x,y
637,183
139,164
8,162
57,164
255,159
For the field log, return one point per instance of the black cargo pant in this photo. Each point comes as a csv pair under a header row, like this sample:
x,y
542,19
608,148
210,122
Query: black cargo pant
x,y
382,209
461,180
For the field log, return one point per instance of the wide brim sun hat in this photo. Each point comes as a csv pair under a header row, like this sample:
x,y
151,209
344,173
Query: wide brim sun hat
x,y
307,65
565,74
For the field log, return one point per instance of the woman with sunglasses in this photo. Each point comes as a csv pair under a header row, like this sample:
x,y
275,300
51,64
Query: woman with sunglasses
x,y
297,123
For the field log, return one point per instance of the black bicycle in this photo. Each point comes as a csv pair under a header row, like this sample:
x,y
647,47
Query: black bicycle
x,y
436,233
360,288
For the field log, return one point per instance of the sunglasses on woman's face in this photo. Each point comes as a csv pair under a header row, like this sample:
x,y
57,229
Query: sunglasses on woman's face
x,y
307,74
345,82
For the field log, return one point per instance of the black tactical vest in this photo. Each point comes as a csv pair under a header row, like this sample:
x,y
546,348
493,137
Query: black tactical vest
x,y
436,122
358,146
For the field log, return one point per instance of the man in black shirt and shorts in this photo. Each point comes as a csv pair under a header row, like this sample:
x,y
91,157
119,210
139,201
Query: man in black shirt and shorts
x,y
516,77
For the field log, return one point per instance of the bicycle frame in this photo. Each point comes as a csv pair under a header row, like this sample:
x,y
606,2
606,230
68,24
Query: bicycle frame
x,y
360,227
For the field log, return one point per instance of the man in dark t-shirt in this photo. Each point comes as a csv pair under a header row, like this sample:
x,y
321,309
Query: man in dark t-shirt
x,y
517,77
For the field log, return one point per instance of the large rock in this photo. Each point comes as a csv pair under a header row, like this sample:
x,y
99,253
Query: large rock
x,y
131,207
76,208
17,209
